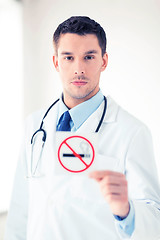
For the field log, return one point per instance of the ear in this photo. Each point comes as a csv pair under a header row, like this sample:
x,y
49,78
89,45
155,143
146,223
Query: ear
x,y
55,62
105,62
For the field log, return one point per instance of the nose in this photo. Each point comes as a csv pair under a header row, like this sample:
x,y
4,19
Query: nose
x,y
79,68
79,72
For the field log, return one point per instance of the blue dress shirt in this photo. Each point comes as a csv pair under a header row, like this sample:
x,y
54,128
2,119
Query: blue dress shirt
x,y
79,115
81,112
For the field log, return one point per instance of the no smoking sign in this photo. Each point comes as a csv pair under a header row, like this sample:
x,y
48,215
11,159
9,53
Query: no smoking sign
x,y
76,153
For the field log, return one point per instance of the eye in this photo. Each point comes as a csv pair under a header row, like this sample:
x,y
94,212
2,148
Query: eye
x,y
69,58
89,57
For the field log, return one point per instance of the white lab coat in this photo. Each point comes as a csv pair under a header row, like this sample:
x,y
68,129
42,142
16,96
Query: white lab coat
x,y
72,206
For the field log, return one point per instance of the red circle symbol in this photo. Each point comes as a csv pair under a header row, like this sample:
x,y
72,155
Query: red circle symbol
x,y
76,155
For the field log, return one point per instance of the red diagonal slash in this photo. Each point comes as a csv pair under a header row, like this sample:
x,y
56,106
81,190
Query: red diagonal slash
x,y
76,154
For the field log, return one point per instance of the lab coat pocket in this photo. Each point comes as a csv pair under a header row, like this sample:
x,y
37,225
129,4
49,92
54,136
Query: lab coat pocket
x,y
105,162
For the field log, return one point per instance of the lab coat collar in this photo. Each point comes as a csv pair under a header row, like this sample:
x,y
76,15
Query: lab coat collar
x,y
112,110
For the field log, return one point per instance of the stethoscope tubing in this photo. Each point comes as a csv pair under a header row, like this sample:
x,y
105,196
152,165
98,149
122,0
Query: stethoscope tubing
x,y
33,171
41,129
45,115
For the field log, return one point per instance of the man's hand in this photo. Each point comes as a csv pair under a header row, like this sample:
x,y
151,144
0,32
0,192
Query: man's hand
x,y
114,188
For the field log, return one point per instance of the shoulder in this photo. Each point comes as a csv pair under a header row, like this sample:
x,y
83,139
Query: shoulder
x,y
123,118
34,119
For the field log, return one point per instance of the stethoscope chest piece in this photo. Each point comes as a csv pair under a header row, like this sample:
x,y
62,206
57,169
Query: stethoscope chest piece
x,y
37,145
44,135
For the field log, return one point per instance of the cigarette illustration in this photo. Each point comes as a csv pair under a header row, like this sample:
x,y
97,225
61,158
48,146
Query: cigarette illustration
x,y
72,155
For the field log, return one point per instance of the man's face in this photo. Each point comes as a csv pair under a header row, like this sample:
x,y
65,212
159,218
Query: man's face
x,y
79,62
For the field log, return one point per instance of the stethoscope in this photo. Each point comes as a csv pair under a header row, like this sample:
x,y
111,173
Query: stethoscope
x,y
33,171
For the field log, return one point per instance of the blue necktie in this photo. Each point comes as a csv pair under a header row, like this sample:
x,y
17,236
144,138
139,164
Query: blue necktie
x,y
64,122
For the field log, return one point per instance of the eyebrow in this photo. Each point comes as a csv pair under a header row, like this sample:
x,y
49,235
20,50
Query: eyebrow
x,y
91,52
88,52
66,53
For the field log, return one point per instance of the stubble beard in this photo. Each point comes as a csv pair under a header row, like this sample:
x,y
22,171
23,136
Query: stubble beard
x,y
81,95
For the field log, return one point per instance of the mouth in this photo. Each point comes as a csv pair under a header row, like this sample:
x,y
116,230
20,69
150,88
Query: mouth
x,y
79,83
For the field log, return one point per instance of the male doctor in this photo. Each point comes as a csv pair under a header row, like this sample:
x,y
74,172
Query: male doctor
x,y
121,199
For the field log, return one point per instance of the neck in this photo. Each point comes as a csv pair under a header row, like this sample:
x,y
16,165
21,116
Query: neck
x,y
71,102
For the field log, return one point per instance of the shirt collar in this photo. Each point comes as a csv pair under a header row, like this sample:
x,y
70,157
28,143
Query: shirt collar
x,y
81,112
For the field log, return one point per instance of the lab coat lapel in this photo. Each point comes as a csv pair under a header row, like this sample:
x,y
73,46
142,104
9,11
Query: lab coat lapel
x,y
112,110
51,119
50,145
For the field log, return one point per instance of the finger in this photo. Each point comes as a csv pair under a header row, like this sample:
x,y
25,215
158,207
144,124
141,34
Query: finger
x,y
114,180
116,197
103,173
115,194
112,189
